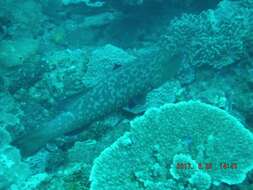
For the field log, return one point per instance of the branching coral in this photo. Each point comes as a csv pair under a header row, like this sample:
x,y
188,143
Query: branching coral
x,y
215,37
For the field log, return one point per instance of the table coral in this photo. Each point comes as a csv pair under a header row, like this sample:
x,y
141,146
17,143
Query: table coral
x,y
206,133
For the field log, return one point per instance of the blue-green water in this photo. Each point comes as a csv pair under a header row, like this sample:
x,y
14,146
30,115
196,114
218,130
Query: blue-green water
x,y
126,94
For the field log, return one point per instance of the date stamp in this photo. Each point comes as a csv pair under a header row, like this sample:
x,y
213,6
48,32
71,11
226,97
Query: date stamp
x,y
208,166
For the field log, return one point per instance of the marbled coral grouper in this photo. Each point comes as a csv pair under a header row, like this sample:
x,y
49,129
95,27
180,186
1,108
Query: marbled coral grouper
x,y
108,96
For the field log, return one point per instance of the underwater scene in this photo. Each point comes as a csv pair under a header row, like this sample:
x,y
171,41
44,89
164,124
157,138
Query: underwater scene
x,y
126,94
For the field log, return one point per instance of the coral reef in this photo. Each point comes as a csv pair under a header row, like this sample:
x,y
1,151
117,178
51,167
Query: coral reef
x,y
64,77
86,2
75,73
11,115
140,159
103,61
166,93
207,38
106,97
14,54
12,169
